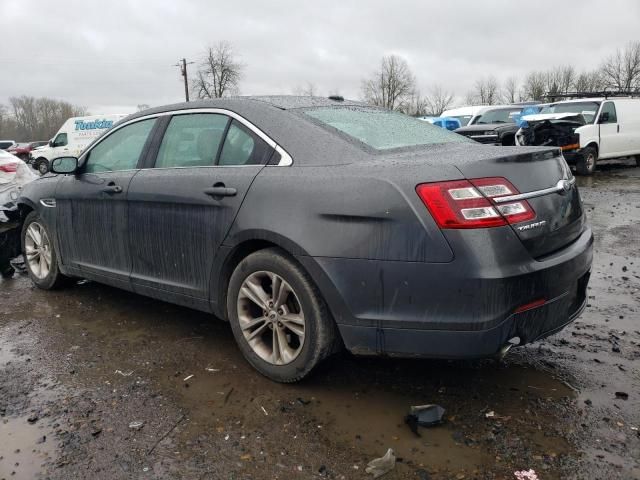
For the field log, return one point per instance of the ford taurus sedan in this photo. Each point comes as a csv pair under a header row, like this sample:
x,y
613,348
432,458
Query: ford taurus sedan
x,y
313,224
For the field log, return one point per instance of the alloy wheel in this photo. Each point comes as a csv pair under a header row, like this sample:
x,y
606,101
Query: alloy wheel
x,y
38,250
271,318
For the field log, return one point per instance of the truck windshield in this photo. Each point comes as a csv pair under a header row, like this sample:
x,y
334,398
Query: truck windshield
x,y
382,129
587,109
500,115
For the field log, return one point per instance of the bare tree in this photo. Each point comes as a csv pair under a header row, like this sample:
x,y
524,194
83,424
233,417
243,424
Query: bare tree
x,y
567,77
438,100
392,86
589,82
219,73
33,118
308,90
534,86
510,90
470,98
486,90
622,69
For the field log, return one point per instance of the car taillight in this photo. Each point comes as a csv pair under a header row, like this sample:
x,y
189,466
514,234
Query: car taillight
x,y
9,168
471,203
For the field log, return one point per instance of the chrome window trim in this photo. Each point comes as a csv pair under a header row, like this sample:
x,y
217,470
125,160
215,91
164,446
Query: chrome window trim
x,y
285,158
559,187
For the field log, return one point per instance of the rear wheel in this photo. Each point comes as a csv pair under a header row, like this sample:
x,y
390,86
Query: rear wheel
x,y
279,319
586,164
41,258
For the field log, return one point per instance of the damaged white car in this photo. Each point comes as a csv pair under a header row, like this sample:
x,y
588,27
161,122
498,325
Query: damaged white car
x,y
587,130
14,174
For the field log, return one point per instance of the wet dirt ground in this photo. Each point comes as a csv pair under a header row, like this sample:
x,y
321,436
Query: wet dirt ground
x,y
79,367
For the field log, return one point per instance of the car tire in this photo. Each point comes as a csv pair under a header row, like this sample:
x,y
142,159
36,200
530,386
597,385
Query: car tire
x,y
297,319
42,165
41,257
586,164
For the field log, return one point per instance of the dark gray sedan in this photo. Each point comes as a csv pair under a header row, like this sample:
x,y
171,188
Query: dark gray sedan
x,y
312,223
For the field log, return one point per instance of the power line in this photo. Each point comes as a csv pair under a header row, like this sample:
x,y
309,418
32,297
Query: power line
x,y
183,71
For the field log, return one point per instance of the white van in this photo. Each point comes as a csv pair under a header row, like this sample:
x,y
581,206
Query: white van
x,y
74,135
602,128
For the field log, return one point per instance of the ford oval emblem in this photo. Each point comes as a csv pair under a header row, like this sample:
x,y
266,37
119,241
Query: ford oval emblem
x,y
564,186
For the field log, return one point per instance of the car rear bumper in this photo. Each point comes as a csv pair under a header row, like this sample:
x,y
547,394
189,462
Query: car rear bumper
x,y
520,328
462,309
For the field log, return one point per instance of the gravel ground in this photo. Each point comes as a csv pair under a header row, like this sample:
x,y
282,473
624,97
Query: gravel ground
x,y
79,368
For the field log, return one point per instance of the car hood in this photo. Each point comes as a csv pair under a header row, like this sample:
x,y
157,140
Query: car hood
x,y
554,117
485,127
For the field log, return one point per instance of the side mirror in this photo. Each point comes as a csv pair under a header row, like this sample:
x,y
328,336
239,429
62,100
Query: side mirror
x,y
604,117
64,165
50,142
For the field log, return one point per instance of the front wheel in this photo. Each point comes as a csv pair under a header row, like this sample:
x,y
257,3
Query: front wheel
x,y
586,164
278,317
41,258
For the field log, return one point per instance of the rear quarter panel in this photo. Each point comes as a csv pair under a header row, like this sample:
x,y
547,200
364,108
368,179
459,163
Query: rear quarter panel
x,y
343,212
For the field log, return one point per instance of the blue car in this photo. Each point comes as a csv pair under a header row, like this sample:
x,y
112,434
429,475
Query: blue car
x,y
450,123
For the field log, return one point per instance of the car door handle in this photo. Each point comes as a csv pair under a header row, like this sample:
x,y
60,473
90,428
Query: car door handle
x,y
221,191
112,188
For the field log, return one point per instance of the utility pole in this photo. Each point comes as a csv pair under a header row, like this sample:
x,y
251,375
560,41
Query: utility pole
x,y
183,71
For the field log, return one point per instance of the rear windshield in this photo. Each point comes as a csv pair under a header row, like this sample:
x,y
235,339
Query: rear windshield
x,y
587,109
503,115
382,129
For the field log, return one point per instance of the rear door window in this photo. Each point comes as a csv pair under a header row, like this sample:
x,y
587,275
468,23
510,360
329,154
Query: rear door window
x,y
121,150
243,147
192,140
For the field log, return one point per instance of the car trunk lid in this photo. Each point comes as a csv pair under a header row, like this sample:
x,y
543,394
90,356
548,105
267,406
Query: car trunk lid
x,y
544,180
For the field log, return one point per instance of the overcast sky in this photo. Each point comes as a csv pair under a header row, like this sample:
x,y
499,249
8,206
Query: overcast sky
x,y
113,55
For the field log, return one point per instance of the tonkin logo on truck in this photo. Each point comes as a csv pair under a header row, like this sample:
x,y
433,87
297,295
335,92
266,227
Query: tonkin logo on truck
x,y
94,125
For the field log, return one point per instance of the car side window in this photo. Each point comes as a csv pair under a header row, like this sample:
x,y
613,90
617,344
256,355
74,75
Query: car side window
x,y
243,147
60,140
192,140
610,109
121,150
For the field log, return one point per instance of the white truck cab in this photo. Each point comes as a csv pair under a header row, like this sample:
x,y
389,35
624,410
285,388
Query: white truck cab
x,y
611,129
74,135
464,114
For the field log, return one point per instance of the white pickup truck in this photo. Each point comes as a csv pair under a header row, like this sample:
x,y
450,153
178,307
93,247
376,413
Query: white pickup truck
x,y
587,130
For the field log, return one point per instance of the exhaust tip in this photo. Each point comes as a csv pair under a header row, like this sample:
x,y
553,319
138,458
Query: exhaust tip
x,y
512,342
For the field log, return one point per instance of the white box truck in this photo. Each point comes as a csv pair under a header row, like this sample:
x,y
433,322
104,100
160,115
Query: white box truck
x,y
74,135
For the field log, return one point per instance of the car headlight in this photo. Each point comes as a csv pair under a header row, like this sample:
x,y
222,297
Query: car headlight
x,y
491,133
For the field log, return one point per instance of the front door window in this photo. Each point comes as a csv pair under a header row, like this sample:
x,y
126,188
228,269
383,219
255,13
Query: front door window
x,y
121,150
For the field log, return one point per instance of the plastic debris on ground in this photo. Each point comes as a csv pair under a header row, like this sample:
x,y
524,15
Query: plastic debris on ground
x,y
424,416
526,475
379,466
136,425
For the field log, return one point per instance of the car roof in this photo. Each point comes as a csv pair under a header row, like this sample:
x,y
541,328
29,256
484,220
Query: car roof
x,y
281,102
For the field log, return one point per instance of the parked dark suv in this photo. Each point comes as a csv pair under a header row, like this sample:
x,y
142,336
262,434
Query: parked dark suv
x,y
494,126
312,223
